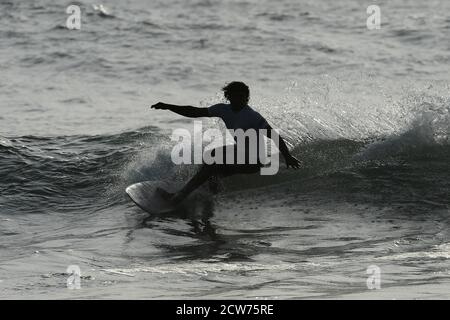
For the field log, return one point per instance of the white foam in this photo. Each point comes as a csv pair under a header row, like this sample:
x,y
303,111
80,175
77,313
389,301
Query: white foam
x,y
203,268
438,252
5,142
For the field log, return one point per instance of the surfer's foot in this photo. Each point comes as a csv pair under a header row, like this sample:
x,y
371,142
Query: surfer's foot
x,y
170,197
177,197
165,194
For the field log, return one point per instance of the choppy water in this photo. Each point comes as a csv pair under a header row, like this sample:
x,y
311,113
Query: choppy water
x,y
368,113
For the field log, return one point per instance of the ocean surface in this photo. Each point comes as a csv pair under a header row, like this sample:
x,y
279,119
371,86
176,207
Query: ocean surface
x,y
366,111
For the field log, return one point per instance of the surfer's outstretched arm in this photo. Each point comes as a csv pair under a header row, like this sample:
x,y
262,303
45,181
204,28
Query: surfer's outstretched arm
x,y
291,161
186,111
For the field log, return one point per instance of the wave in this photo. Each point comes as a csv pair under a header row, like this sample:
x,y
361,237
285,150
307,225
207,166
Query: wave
x,y
102,11
41,172
204,268
369,152
38,173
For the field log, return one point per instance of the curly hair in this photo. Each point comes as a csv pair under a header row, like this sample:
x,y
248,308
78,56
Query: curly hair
x,y
237,89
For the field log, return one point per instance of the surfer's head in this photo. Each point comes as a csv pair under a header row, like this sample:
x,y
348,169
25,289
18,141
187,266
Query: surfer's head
x,y
237,93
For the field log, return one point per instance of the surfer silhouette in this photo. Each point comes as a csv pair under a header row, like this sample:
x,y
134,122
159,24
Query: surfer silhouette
x,y
236,115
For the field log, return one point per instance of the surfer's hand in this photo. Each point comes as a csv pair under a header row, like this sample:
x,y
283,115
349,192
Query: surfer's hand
x,y
160,106
293,162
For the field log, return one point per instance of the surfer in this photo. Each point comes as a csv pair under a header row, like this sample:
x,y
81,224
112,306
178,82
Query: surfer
x,y
236,115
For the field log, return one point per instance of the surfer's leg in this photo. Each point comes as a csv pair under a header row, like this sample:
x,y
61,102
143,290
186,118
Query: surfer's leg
x,y
210,170
196,181
206,172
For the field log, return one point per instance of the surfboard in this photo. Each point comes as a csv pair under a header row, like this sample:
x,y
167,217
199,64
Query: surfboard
x,y
145,196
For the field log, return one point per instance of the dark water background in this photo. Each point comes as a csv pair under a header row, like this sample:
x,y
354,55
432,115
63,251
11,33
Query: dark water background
x,y
367,112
